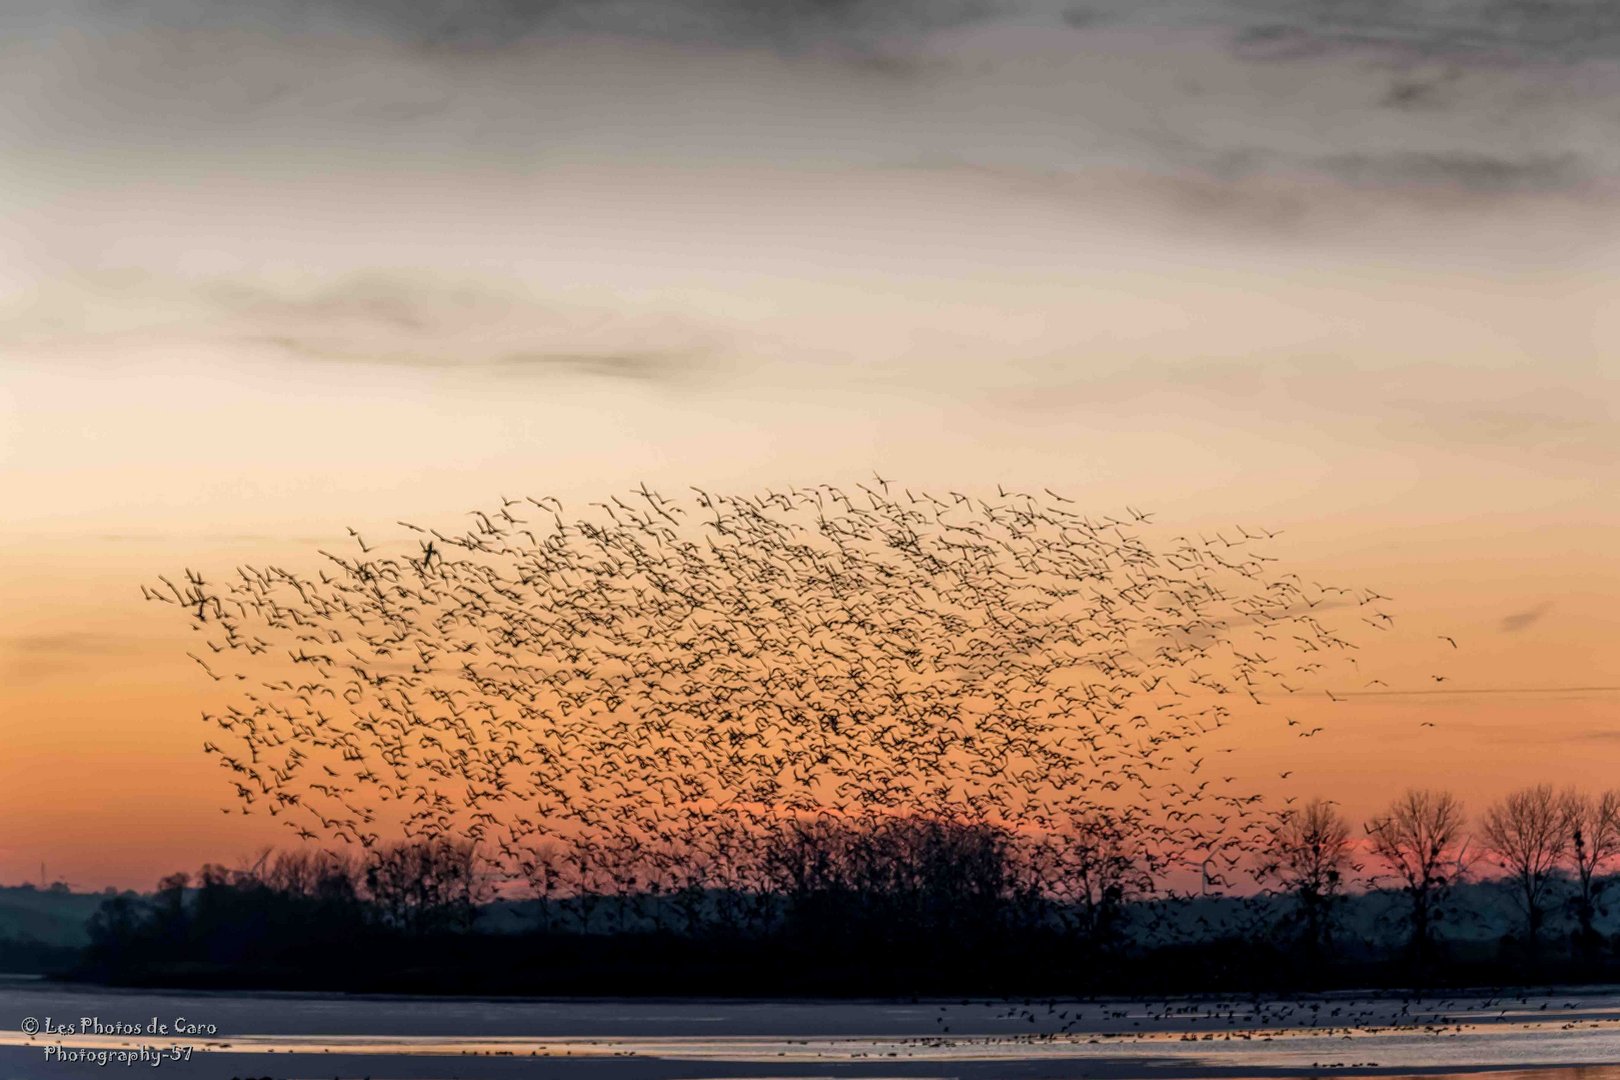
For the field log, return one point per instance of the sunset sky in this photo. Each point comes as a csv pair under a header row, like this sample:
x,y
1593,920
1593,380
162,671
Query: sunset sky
x,y
1350,270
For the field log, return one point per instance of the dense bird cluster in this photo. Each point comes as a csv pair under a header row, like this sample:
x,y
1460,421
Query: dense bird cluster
x,y
636,696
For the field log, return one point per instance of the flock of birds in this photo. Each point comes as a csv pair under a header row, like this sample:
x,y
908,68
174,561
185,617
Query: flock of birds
x,y
1264,1017
639,696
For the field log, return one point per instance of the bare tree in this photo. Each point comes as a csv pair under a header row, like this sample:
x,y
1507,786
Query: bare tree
x,y
1420,838
1527,834
1105,872
427,886
1308,854
1594,845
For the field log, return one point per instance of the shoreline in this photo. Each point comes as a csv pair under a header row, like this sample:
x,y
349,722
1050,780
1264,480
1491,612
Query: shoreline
x,y
1586,990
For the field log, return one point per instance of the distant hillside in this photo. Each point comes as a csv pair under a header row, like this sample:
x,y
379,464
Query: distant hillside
x,y
42,930
54,916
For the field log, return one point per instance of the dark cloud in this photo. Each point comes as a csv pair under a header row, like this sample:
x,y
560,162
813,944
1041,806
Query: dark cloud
x,y
1491,30
486,24
1476,96
1418,91
1521,620
1469,31
1081,16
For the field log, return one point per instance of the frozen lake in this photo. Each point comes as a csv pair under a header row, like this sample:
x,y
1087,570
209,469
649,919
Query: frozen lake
x,y
84,1031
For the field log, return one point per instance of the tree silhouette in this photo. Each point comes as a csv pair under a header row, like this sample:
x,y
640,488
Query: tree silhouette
x,y
1527,834
1309,857
1594,845
426,886
1420,838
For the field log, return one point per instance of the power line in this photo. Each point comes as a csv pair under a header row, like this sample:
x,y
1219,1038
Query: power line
x,y
1442,690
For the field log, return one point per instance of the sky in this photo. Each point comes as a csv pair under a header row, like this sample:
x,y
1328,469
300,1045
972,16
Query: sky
x,y
270,270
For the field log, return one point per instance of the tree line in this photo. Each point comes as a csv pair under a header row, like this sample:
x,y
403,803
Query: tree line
x,y
892,904
1543,845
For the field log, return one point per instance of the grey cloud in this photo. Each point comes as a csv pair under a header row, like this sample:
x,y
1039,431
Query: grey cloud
x,y
1477,95
1418,91
1080,16
341,351
1481,173
371,299
400,319
1219,192
650,367
485,24
636,367
1247,194
1492,30
1520,620
420,322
